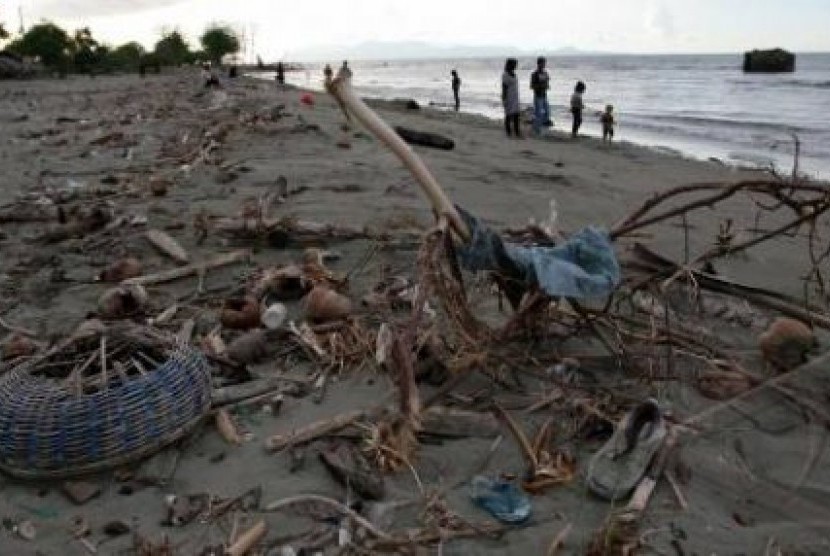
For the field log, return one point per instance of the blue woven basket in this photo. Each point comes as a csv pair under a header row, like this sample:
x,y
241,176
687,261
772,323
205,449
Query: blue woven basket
x,y
49,430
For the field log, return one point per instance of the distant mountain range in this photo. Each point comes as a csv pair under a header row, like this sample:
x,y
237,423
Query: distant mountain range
x,y
415,50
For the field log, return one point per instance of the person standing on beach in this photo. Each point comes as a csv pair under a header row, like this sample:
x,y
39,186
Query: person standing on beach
x,y
540,83
344,72
456,87
280,73
577,106
607,121
510,97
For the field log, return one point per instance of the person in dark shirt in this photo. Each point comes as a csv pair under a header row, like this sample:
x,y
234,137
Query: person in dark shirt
x,y
607,121
577,106
280,73
540,83
456,87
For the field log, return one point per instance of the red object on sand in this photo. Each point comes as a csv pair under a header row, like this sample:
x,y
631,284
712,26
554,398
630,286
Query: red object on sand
x,y
307,99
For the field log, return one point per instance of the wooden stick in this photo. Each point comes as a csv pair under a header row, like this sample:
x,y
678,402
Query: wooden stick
x,y
341,89
345,510
18,329
559,540
248,539
168,246
227,428
103,361
314,430
189,270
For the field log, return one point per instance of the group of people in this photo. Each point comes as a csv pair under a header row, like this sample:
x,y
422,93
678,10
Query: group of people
x,y
539,84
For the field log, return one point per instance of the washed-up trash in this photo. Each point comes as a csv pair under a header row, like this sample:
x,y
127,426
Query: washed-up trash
x,y
501,498
100,401
585,266
786,343
240,313
122,269
323,305
273,317
16,345
616,469
126,300
351,469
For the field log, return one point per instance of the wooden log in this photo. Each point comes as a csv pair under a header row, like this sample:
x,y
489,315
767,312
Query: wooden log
x,y
425,138
191,269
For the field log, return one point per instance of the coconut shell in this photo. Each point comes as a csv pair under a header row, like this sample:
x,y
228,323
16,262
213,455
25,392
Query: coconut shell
x,y
240,313
284,284
120,270
786,343
124,301
248,348
159,186
722,385
323,305
17,345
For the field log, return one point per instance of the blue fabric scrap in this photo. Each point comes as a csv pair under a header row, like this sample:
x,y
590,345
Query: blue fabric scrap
x,y
585,266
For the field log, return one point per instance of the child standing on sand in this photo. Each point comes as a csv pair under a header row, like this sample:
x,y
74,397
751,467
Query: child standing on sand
x,y
607,121
577,106
510,97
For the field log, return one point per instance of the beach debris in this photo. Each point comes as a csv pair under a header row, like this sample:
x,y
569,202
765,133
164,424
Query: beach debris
x,y
78,223
425,138
617,468
349,468
26,530
248,540
250,347
273,317
168,246
116,528
159,186
544,467
227,428
191,269
181,510
80,492
313,430
80,527
240,313
284,283
120,270
723,385
786,343
17,345
323,304
501,498
126,300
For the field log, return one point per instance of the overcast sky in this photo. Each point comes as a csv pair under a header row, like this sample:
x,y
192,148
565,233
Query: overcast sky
x,y
280,28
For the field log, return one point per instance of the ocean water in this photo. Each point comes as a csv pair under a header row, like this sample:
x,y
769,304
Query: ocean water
x,y
700,105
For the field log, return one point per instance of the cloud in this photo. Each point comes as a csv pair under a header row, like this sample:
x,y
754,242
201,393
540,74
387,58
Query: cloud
x,y
91,8
660,20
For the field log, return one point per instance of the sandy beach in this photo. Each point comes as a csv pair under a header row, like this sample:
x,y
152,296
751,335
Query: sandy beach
x,y
751,478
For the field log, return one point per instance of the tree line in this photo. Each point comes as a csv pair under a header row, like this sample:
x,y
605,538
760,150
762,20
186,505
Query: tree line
x,y
79,52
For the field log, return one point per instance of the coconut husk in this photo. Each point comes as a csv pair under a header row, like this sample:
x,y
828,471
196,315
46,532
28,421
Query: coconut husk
x,y
126,300
786,343
240,313
325,305
120,270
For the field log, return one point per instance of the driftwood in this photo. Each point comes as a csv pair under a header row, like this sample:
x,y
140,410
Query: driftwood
x,y
235,394
248,539
314,430
190,270
227,428
425,138
168,246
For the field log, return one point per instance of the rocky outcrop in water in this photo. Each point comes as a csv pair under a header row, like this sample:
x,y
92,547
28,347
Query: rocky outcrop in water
x,y
776,60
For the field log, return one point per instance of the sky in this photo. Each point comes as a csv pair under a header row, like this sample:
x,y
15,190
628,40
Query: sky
x,y
282,29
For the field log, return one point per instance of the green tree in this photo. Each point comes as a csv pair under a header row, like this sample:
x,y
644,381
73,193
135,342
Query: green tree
x,y
172,49
48,42
88,55
125,57
3,33
218,41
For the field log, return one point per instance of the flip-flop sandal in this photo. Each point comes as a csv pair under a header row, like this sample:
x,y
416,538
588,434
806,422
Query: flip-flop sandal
x,y
616,469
